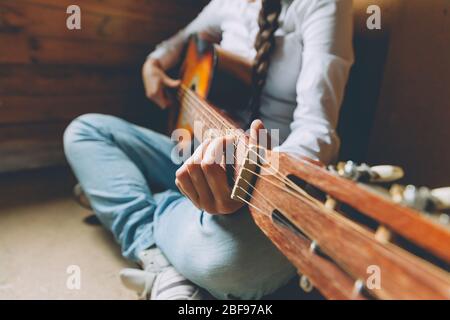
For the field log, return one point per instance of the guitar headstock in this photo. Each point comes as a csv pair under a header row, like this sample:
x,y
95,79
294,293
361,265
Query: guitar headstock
x,y
338,224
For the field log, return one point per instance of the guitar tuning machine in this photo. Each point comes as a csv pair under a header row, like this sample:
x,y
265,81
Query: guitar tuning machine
x,y
424,199
358,288
306,284
364,173
313,247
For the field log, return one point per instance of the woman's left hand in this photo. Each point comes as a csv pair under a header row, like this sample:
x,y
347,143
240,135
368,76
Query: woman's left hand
x,y
203,177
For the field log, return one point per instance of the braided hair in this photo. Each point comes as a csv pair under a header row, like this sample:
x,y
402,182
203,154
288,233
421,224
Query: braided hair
x,y
264,46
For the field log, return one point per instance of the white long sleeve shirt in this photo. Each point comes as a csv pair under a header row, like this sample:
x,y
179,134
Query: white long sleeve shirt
x,y
308,72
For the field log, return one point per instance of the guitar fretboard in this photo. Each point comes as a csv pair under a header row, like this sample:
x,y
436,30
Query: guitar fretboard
x,y
197,113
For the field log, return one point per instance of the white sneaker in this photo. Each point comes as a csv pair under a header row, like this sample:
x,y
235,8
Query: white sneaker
x,y
153,260
171,285
139,281
159,280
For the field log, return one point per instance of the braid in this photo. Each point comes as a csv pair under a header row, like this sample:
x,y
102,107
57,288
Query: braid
x,y
264,46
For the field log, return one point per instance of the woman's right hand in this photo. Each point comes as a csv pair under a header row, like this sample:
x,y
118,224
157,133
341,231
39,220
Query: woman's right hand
x,y
156,81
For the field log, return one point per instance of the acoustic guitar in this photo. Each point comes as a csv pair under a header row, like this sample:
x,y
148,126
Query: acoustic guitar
x,y
348,236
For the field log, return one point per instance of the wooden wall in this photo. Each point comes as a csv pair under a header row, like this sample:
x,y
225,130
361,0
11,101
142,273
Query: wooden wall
x,y
366,78
412,123
396,109
49,75
397,106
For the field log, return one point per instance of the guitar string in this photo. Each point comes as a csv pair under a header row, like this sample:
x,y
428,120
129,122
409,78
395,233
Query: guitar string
x,y
300,194
283,179
212,124
264,178
206,108
263,198
246,192
245,180
274,172
303,194
191,95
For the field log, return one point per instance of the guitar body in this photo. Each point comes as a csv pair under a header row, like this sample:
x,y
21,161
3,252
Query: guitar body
x,y
221,78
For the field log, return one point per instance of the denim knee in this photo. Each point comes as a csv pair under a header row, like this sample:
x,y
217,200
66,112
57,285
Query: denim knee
x,y
236,271
82,128
228,279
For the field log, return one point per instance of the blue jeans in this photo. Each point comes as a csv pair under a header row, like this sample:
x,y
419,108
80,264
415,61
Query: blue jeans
x,y
119,164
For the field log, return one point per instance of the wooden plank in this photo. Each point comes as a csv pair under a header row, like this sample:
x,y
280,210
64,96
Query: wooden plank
x,y
32,131
31,146
24,155
18,54
142,9
24,80
49,21
354,248
49,74
412,122
23,109
59,51
365,81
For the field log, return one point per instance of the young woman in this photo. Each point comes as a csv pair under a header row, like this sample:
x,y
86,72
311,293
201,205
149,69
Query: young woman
x,y
193,235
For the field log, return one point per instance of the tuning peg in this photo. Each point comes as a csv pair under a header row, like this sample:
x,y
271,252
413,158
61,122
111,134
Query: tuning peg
x,y
386,173
424,199
441,197
444,219
331,203
383,234
396,192
358,287
418,198
348,170
364,173
442,202
306,284
313,247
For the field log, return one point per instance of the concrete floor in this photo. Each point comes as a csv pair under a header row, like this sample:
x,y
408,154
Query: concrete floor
x,y
42,233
